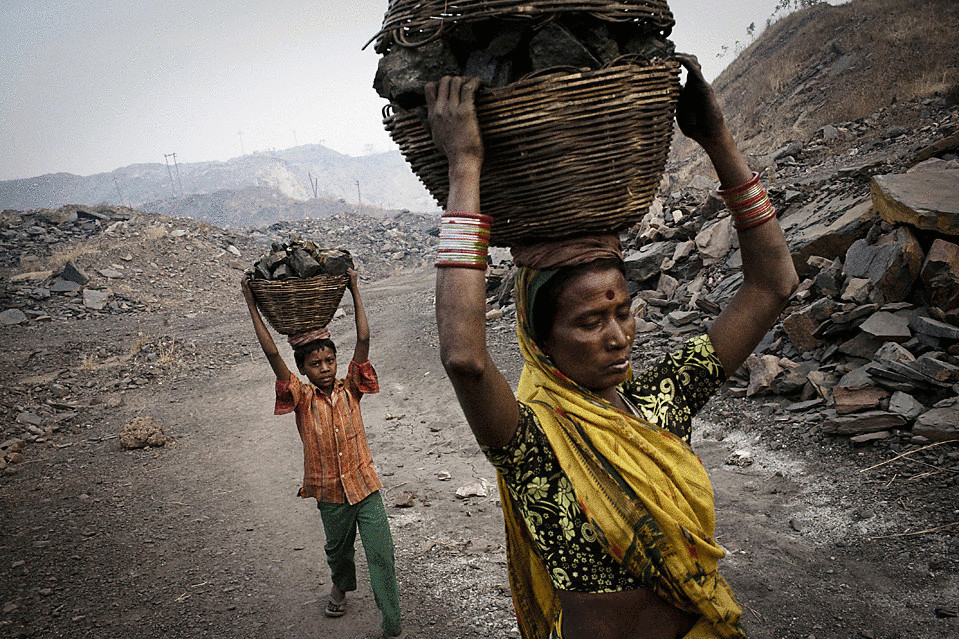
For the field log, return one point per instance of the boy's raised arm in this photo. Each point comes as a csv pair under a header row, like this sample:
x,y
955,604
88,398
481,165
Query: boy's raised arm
x,y
263,334
362,351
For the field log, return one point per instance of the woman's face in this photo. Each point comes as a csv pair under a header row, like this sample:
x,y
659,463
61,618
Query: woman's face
x,y
593,330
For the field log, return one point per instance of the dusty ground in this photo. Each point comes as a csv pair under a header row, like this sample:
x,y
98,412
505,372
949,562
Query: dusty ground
x,y
206,538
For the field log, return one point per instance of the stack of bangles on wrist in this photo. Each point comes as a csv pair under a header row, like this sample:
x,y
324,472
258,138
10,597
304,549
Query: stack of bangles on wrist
x,y
749,204
464,240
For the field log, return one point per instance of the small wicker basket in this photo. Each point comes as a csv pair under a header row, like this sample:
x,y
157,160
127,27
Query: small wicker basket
x,y
299,305
567,153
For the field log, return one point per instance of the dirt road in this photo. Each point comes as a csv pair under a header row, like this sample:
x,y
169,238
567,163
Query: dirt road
x,y
206,538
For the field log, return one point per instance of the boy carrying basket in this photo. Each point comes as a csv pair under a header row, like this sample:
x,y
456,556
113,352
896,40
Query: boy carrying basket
x,y
337,463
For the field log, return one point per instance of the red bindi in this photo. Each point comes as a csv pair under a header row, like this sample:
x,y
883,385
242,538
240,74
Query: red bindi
x,y
610,294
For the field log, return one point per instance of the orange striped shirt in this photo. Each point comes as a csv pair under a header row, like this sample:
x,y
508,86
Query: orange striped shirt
x,y
337,463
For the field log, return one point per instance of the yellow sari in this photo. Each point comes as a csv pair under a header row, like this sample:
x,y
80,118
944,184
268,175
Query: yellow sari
x,y
643,490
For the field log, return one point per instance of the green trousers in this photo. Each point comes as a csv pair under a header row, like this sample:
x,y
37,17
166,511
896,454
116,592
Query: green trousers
x,y
340,523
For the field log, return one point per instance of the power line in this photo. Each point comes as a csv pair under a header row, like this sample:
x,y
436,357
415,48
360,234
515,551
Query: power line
x,y
166,157
177,168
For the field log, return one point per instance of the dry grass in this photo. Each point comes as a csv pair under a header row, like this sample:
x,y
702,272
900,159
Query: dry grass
x,y
168,354
155,232
88,362
791,80
69,253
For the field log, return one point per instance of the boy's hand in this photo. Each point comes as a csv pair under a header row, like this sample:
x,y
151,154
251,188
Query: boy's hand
x,y
354,277
247,291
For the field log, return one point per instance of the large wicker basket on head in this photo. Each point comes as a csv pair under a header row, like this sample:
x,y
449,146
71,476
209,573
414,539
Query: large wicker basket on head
x,y
567,153
299,305
412,23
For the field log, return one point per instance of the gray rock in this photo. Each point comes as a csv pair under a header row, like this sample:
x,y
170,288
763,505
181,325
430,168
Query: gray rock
x,y
906,405
403,72
926,197
642,265
829,132
858,423
555,46
867,438
891,265
96,300
12,316
938,424
934,328
893,352
73,274
29,418
64,286
826,227
110,273
887,327
940,275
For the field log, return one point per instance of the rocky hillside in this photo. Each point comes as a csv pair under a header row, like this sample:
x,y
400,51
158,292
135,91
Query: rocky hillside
x,y
385,180
827,64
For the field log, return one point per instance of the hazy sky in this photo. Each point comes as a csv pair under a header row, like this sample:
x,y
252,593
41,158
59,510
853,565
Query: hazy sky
x,y
87,86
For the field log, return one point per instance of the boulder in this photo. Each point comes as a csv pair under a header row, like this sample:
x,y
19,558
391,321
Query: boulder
x,y
826,227
12,316
938,424
858,423
906,405
95,300
891,265
800,328
643,264
71,273
852,400
934,328
887,327
763,369
716,240
940,275
926,196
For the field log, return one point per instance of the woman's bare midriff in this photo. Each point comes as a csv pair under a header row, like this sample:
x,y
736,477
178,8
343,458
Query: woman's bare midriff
x,y
630,614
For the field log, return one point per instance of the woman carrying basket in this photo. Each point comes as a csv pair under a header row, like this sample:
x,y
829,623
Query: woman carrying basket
x,y
609,513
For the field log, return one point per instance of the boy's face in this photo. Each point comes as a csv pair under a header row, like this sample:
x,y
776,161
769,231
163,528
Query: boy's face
x,y
320,368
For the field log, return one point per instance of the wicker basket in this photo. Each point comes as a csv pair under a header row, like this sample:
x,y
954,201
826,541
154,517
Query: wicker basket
x,y
299,305
413,23
566,153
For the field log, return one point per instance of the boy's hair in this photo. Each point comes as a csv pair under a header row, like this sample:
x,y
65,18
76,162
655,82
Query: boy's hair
x,y
300,352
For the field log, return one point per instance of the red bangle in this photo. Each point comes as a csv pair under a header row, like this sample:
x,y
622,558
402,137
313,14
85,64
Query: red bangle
x,y
749,204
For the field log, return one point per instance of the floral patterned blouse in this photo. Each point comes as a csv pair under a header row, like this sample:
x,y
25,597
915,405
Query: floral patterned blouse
x,y
667,394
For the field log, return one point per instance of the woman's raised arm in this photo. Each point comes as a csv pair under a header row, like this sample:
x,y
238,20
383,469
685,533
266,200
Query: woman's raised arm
x,y
484,394
769,277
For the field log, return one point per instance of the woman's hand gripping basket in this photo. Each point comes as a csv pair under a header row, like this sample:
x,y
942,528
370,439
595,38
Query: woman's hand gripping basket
x,y
298,285
576,113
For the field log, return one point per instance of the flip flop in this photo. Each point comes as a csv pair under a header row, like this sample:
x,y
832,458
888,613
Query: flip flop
x,y
334,609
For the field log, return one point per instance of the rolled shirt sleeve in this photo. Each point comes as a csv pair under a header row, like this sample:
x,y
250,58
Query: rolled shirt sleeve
x,y
361,379
289,393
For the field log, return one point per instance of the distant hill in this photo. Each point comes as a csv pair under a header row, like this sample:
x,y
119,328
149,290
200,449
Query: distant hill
x,y
830,64
257,206
385,180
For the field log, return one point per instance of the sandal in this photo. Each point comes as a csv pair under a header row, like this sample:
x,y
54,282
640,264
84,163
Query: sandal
x,y
335,609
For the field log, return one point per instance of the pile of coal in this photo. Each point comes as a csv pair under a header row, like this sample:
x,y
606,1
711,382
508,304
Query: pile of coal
x,y
300,258
501,51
